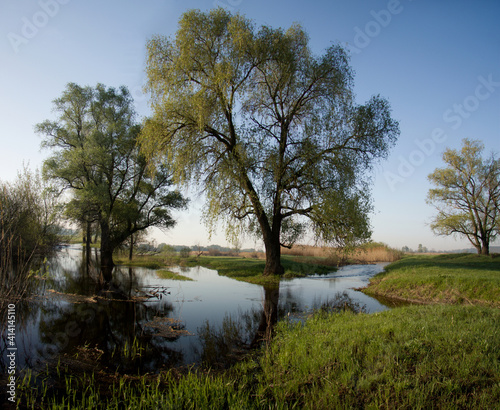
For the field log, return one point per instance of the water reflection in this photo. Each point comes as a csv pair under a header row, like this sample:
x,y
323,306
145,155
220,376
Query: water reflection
x,y
142,323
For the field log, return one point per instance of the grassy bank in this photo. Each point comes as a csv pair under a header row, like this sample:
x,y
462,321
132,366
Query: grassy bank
x,y
300,260
450,278
167,274
412,357
250,270
244,269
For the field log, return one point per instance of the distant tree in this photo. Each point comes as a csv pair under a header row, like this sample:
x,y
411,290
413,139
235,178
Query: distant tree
x,y
162,247
268,130
96,157
467,196
406,249
198,250
185,251
133,240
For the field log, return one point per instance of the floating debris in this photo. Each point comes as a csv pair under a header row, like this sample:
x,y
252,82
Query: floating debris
x,y
167,327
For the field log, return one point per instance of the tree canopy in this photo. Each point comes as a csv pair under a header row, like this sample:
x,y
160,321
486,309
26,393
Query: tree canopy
x,y
467,195
269,131
95,156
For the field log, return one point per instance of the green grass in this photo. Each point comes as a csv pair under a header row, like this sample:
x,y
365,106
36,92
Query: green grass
x,y
244,269
450,278
166,274
411,357
416,357
250,270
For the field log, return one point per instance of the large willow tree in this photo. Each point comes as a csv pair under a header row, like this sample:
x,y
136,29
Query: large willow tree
x,y
269,131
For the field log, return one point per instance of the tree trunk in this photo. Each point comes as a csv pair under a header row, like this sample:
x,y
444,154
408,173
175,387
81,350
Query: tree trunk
x,y
87,245
273,257
107,248
131,250
269,316
485,248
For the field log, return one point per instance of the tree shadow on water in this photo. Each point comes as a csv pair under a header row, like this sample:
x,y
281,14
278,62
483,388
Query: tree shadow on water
x,y
235,338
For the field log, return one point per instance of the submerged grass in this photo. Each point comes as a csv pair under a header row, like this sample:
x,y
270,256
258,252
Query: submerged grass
x,y
442,356
166,274
449,278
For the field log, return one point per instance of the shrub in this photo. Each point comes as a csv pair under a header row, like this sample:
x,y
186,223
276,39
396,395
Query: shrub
x,y
184,252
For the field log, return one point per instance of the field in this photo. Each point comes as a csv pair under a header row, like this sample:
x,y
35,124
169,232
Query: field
x,y
449,278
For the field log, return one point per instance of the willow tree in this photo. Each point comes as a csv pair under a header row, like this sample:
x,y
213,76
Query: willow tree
x,y
96,157
467,196
269,131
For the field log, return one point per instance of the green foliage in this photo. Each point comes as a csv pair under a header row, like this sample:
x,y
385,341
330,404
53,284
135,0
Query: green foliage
x,y
467,196
185,251
269,131
96,157
449,278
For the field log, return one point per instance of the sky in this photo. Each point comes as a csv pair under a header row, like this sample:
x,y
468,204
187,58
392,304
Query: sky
x,y
436,62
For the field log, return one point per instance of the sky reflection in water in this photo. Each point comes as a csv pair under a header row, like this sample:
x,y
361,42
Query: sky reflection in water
x,y
61,324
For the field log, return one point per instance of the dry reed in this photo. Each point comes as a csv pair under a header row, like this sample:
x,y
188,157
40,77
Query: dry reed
x,y
370,253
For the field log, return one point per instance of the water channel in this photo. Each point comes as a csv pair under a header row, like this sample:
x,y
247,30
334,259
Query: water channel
x,y
146,323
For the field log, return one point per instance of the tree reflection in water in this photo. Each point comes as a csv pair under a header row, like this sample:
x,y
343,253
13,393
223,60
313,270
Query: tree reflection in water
x,y
84,322
128,327
224,346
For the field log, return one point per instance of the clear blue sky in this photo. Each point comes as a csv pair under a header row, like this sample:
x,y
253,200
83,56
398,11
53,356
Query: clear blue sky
x,y
437,62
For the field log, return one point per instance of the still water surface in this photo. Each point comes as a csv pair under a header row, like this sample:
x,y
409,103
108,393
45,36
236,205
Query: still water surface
x,y
169,322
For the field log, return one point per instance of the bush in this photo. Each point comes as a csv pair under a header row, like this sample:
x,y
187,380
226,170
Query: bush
x,y
28,215
184,252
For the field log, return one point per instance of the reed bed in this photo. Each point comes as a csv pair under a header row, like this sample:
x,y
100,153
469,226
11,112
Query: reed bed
x,y
369,253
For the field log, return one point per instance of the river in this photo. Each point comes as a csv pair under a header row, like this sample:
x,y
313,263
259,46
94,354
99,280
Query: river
x,y
147,323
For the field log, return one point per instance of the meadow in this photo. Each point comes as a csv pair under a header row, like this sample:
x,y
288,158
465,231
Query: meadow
x,y
448,278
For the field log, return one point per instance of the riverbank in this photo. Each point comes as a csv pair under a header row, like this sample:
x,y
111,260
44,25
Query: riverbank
x,y
299,261
243,269
411,357
467,279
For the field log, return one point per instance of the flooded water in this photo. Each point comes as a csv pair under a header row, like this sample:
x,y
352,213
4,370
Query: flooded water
x,y
145,323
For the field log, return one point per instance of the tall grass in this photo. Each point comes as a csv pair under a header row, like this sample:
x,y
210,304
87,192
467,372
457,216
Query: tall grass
x,y
369,253
412,357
